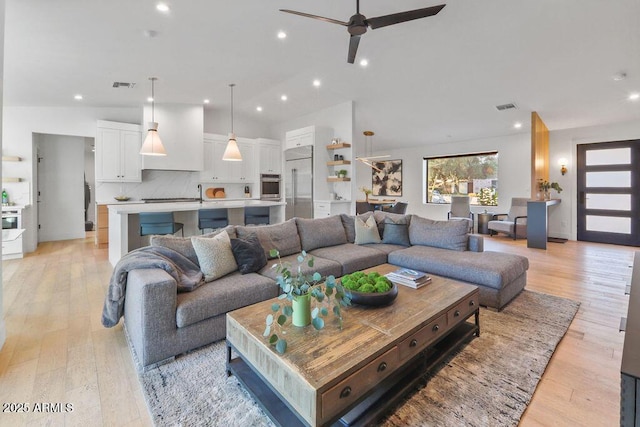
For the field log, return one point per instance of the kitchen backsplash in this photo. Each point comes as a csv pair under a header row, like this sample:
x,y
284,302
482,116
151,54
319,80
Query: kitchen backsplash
x,y
158,184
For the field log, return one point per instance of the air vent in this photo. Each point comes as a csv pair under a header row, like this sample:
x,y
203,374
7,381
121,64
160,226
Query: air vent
x,y
509,106
123,85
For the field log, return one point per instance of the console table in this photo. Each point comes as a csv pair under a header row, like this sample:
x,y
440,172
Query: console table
x,y
538,222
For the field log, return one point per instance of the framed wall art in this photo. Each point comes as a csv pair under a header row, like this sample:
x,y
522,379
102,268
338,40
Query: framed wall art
x,y
388,180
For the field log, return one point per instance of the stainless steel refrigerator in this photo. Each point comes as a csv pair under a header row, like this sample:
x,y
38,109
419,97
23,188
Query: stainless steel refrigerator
x,y
298,178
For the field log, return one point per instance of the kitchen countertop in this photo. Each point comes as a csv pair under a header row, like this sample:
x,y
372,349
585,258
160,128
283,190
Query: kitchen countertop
x,y
128,207
14,207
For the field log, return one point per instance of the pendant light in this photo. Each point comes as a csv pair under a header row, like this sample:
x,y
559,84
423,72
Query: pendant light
x,y
368,148
232,153
152,145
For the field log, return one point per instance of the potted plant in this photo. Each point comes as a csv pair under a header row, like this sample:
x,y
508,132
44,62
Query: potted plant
x,y
544,186
299,290
342,173
366,192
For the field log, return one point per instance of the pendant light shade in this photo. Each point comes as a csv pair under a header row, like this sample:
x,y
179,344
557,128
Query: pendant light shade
x,y
232,153
152,145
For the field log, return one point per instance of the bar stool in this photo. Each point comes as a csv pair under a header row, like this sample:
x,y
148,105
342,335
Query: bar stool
x,y
159,223
212,218
256,215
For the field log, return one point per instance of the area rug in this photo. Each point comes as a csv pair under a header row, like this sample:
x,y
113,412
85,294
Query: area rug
x,y
489,382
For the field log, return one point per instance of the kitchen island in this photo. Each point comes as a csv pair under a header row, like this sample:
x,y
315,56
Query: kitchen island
x,y
124,225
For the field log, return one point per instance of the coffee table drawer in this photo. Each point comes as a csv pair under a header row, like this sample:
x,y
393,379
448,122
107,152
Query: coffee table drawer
x,y
423,337
355,385
462,310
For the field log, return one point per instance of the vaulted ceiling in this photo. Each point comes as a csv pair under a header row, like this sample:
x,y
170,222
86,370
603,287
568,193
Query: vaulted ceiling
x,y
428,81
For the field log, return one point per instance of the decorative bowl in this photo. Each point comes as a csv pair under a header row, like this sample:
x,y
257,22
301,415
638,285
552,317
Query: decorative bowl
x,y
375,299
122,198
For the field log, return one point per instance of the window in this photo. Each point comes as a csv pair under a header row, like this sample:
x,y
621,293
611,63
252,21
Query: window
x,y
473,175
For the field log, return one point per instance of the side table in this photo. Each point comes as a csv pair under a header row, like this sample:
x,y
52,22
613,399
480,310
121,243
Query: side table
x,y
483,222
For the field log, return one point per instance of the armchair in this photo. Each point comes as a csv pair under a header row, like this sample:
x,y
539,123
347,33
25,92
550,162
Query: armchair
x,y
461,210
514,223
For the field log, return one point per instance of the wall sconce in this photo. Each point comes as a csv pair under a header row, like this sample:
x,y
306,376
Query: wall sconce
x,y
563,165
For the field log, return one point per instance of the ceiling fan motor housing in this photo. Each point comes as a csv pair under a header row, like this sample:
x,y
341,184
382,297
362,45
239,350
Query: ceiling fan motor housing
x,y
357,25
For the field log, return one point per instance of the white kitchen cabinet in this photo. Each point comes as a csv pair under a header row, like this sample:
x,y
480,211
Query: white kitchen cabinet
x,y
117,157
325,208
309,135
269,156
222,171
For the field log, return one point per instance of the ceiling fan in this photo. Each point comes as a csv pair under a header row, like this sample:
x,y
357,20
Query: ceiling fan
x,y
358,23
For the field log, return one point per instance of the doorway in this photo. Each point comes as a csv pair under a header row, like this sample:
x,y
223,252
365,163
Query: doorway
x,y
609,192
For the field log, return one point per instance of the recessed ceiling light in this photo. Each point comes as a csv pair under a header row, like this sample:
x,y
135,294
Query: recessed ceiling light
x,y
316,83
206,101
283,97
517,125
364,62
634,96
149,99
162,7
258,108
282,35
78,97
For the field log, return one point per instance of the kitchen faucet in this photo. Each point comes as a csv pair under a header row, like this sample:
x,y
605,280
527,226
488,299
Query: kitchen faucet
x,y
200,190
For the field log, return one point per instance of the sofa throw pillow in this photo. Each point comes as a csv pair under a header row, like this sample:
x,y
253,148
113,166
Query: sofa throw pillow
x,y
380,217
283,237
320,233
439,234
214,255
396,231
248,254
366,231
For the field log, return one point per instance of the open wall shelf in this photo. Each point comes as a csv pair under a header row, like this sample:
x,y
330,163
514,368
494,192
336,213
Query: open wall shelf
x,y
338,146
335,179
338,162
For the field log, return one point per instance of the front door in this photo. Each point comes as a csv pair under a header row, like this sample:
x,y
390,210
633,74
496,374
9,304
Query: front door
x,y
609,192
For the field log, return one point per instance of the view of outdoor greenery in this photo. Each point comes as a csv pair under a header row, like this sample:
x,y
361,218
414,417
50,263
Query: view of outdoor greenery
x,y
473,175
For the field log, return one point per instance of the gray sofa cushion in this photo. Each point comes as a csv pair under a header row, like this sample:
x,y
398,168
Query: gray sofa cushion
x,y
322,232
283,237
440,234
352,257
323,266
384,247
225,294
492,269
183,245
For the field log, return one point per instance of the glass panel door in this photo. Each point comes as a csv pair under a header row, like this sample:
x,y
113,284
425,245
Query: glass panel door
x,y
608,190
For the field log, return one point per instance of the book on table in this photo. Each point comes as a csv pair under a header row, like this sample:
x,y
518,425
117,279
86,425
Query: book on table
x,y
408,277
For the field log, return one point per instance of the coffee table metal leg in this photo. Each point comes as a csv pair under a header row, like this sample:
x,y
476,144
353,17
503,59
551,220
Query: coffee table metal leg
x,y
478,322
228,360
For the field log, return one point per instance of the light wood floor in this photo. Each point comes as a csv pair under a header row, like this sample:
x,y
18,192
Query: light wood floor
x,y
58,352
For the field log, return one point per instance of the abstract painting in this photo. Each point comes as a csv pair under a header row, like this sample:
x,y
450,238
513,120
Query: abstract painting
x,y
387,181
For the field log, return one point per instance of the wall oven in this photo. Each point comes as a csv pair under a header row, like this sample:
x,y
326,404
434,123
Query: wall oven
x,y
11,219
270,187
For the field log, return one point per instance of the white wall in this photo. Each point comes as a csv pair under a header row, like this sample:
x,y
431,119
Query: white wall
x,y
61,186
219,121
3,330
563,143
19,125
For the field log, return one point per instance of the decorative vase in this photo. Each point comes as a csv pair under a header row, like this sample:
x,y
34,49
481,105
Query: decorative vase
x,y
366,197
547,195
301,305
539,195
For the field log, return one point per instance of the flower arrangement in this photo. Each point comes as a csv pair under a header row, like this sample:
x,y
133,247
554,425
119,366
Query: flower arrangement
x,y
298,287
488,197
366,192
544,185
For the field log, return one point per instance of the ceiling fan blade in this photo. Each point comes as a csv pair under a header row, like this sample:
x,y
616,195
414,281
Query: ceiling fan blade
x,y
396,18
321,18
354,41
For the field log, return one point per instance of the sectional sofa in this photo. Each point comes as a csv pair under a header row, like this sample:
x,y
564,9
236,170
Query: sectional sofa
x,y
161,322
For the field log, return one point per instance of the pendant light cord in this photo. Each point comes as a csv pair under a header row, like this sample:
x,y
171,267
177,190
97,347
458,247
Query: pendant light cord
x,y
231,86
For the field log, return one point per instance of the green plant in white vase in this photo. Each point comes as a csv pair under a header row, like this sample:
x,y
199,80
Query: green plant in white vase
x,y
299,290
342,173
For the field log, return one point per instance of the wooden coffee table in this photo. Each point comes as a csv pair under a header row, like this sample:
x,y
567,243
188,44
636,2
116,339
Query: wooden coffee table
x,y
351,375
